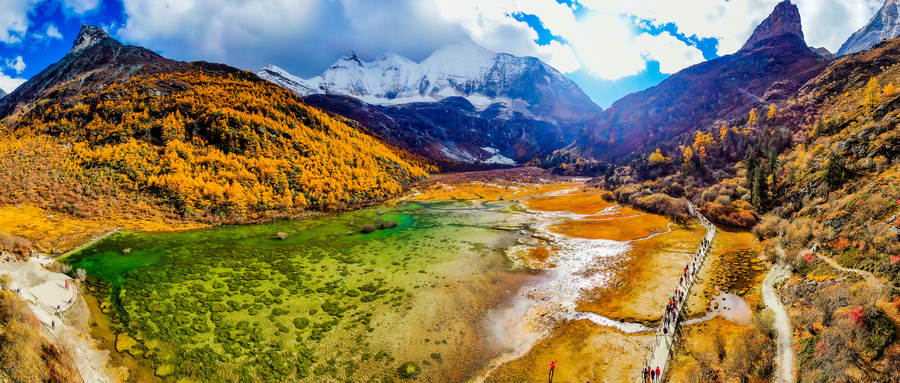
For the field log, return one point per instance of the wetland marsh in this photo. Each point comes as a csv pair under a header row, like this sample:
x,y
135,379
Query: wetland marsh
x,y
432,287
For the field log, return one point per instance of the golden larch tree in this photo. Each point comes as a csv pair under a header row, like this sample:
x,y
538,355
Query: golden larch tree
x,y
890,90
873,93
772,113
658,158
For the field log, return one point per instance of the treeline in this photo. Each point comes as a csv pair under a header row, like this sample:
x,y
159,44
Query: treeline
x,y
213,145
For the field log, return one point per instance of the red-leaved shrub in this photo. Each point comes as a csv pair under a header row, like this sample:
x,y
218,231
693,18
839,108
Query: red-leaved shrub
x,y
858,316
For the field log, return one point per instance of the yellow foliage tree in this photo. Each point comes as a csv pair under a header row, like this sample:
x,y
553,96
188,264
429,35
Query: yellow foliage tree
x,y
723,132
688,154
890,90
752,119
772,113
658,158
701,143
873,93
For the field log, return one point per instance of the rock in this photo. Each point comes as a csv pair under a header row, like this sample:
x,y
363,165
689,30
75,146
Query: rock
x,y
784,20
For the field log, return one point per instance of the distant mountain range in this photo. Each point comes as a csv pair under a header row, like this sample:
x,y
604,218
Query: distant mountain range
x,y
461,106
522,85
884,25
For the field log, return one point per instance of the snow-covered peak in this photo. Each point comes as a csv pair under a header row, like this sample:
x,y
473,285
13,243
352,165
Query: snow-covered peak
x,y
884,25
290,82
522,84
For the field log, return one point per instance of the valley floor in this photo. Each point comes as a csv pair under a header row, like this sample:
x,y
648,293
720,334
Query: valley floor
x,y
602,275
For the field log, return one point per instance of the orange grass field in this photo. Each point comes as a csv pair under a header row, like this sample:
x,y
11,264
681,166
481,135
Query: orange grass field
x,y
579,202
483,192
54,232
618,229
584,351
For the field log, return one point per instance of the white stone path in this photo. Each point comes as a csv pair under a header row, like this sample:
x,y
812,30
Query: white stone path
x,y
661,351
44,291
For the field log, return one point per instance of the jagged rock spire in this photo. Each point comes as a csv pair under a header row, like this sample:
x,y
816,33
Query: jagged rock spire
x,y
785,19
87,37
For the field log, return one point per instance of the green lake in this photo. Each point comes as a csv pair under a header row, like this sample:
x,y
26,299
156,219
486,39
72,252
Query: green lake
x,y
327,304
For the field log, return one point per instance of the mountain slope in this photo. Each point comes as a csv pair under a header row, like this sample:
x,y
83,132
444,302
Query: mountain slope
x,y
195,139
884,25
97,60
452,132
773,64
2,93
523,84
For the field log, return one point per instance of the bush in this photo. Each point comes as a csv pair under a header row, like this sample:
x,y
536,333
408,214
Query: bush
x,y
368,228
880,335
409,370
301,323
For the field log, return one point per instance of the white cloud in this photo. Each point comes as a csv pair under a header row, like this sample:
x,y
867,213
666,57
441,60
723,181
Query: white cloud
x,y
605,45
53,32
828,23
672,54
302,36
9,84
80,6
14,19
16,64
307,36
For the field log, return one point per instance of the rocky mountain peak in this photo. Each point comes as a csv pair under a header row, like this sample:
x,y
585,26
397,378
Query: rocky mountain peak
x,y
2,93
785,19
884,25
350,57
88,37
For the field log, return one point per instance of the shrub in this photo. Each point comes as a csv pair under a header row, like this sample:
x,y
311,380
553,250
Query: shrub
x,y
858,316
368,228
409,370
301,323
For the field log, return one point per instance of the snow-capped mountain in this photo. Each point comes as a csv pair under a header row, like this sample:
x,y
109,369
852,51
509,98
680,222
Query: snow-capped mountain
x,y
884,25
523,85
2,93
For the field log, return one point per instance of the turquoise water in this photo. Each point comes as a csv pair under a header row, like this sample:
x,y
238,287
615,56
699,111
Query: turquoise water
x,y
328,303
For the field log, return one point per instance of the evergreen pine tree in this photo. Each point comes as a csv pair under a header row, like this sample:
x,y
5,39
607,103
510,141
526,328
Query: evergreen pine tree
x,y
760,196
773,167
751,161
835,171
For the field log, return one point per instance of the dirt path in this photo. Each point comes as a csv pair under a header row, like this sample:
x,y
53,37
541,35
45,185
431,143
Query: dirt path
x,y
784,372
870,278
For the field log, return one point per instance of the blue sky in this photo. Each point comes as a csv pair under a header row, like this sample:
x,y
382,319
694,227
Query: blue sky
x,y
608,47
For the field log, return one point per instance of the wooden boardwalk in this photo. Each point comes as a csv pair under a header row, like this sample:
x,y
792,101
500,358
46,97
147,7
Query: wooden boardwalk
x,y
661,351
